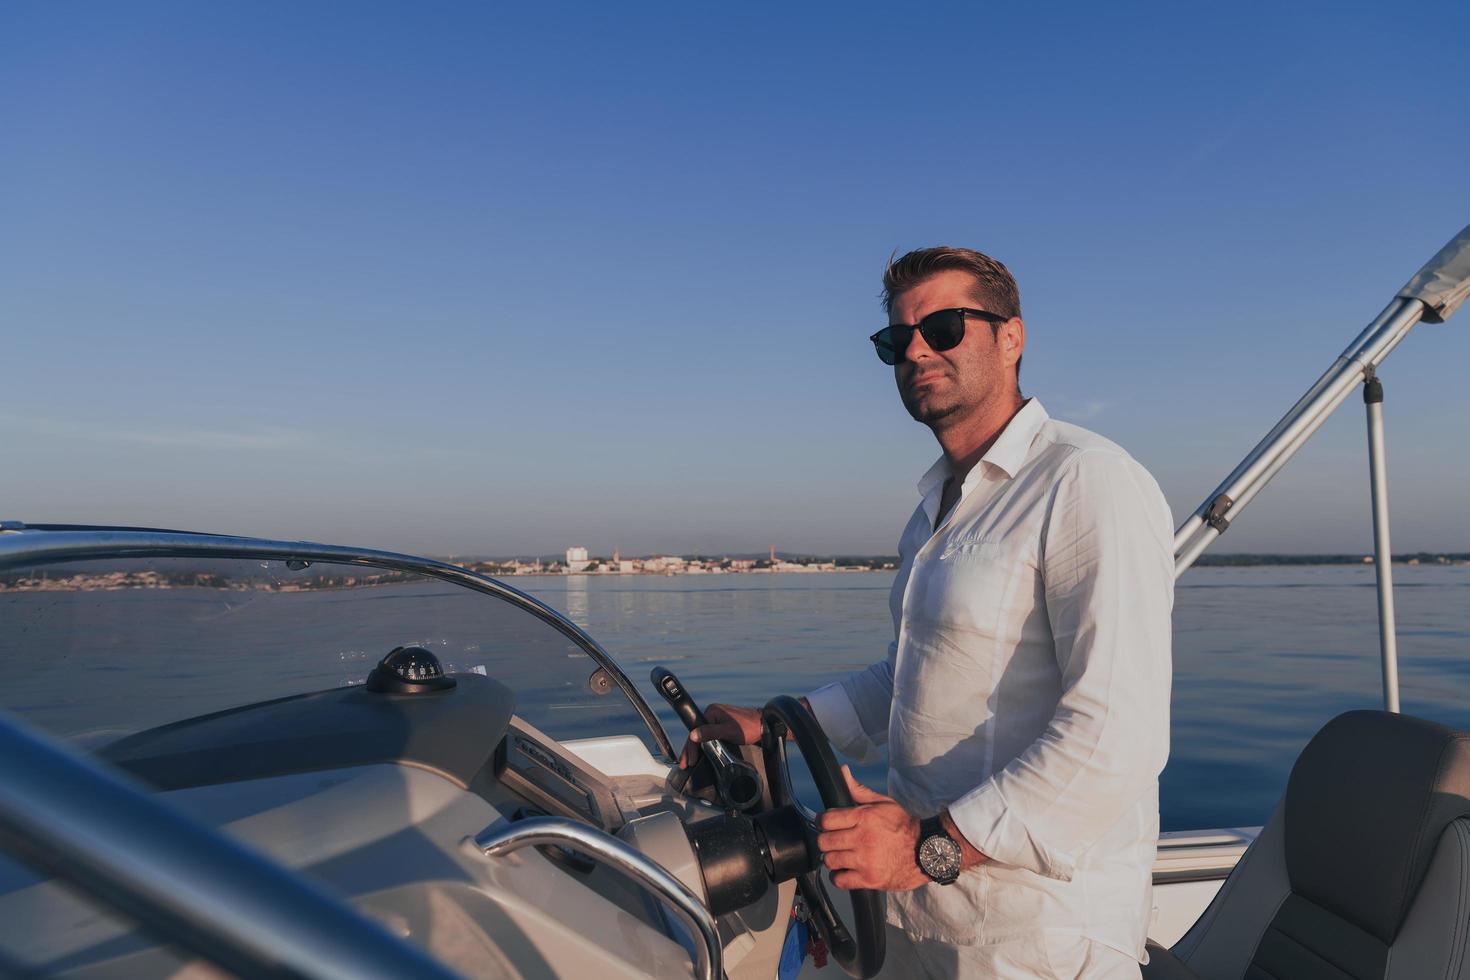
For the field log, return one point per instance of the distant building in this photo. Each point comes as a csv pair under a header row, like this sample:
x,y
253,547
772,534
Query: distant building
x,y
577,560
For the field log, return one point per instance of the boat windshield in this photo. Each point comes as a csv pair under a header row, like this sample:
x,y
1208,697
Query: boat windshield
x,y
102,648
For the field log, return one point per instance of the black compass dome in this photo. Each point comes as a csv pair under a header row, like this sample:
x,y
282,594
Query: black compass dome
x,y
409,670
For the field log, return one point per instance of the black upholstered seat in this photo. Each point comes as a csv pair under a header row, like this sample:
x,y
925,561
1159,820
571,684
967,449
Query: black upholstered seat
x,y
1362,873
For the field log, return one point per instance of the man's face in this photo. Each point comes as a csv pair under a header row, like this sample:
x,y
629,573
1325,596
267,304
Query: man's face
x,y
944,388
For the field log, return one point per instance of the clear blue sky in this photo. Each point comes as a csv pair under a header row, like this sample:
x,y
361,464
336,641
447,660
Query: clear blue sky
x,y
494,278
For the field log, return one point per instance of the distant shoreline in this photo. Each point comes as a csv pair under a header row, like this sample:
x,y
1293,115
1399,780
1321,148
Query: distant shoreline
x,y
788,563
1415,558
50,579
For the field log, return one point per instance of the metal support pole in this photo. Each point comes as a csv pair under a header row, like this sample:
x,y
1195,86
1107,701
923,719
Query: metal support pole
x,y
1382,552
1198,518
1291,433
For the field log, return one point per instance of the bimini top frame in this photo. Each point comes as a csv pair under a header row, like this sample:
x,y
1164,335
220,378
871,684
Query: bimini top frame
x,y
1432,295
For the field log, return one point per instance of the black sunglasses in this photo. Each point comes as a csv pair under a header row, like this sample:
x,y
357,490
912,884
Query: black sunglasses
x,y
942,330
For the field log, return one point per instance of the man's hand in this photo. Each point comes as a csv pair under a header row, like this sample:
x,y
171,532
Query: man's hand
x,y
728,723
871,844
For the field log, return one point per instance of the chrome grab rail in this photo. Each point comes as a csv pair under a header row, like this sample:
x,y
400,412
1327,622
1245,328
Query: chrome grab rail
x,y
181,880
501,839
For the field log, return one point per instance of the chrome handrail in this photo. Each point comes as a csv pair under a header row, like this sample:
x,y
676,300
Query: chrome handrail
x,y
21,545
185,882
501,839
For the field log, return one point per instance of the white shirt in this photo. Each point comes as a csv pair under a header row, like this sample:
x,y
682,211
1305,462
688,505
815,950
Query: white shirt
x,y
1027,688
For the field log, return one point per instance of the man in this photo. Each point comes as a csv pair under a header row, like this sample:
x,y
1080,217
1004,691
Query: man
x,y
1025,697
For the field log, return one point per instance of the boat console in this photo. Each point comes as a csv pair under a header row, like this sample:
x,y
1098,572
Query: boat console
x,y
397,743
463,729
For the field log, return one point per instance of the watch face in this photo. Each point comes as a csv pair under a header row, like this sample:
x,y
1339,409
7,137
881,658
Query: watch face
x,y
939,857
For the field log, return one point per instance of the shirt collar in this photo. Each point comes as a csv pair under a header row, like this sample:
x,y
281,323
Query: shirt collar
x,y
1010,448
934,477
1007,453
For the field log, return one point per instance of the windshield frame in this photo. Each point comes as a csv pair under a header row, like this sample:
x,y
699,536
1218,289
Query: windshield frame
x,y
47,544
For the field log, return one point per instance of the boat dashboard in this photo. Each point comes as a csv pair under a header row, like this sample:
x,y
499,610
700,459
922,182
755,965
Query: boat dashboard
x,y
379,795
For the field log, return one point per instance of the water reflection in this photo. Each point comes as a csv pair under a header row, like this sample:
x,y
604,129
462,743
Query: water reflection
x,y
576,600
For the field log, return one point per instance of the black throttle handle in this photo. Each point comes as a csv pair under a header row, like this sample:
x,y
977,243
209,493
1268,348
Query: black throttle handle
x,y
673,692
736,780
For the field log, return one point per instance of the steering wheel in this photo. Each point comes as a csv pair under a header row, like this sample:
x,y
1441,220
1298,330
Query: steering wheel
x,y
859,952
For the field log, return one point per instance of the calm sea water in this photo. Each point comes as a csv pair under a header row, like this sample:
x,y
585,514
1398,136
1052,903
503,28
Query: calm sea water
x,y
1262,656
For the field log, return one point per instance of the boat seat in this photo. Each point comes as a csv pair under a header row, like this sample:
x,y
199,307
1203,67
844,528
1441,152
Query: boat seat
x,y
1362,873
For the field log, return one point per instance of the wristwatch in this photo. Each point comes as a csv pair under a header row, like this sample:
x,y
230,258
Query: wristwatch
x,y
938,853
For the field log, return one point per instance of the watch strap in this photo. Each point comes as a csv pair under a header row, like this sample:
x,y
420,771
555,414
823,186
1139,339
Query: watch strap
x,y
929,826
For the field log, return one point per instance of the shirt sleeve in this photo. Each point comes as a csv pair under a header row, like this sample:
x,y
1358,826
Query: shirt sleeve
x,y
1108,568
853,712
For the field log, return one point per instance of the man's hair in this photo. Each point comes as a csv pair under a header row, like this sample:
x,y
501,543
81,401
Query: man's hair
x,y
995,287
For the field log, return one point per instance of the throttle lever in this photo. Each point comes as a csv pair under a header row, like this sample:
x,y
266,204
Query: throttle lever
x,y
736,781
